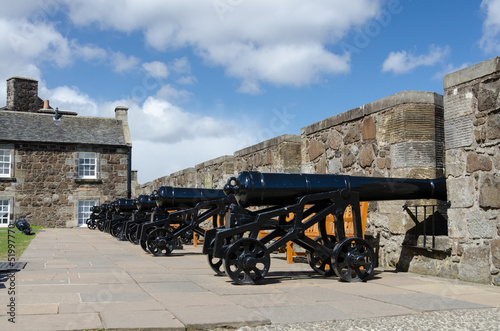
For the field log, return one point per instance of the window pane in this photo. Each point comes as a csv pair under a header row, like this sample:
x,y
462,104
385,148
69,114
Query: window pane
x,y
5,162
4,212
87,165
84,211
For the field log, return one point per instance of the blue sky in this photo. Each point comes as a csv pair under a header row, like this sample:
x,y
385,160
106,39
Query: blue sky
x,y
203,78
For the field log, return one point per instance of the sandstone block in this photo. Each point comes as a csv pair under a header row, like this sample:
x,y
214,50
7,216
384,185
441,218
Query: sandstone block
x,y
493,127
474,266
489,188
369,131
460,192
477,162
315,149
480,229
334,140
366,155
455,165
495,252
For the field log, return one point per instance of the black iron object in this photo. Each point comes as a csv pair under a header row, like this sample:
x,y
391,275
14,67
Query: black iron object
x,y
22,225
97,217
183,211
296,202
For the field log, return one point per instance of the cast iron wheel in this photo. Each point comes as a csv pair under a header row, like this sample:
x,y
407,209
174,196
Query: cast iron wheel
x,y
100,225
353,260
91,224
161,242
247,261
132,234
320,261
116,229
216,264
144,243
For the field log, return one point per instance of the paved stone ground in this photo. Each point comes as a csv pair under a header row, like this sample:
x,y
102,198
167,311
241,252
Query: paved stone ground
x,y
78,279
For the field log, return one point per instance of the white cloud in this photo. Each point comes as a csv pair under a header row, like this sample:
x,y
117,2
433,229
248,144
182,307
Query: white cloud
x,y
403,61
156,69
181,65
286,47
170,93
121,62
187,80
490,41
69,98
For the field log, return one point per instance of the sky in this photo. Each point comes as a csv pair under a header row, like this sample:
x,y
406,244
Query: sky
x,y
205,78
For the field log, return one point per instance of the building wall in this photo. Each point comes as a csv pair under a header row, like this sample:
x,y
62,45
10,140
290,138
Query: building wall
x,y
46,188
472,128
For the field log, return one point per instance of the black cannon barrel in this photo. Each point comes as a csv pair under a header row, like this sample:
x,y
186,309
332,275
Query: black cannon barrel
x,y
252,188
144,203
178,197
123,205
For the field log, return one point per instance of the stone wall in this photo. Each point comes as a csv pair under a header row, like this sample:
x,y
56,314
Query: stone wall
x,y
472,135
398,136
45,187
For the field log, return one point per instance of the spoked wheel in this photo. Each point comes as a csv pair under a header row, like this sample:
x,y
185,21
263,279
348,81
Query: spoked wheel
x,y
320,261
247,261
116,229
100,225
91,224
144,242
216,264
132,234
353,260
161,241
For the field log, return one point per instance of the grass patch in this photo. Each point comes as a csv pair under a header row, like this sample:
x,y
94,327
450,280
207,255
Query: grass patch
x,y
19,239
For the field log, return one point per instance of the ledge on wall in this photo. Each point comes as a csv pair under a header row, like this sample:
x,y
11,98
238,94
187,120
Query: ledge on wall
x,y
8,179
88,181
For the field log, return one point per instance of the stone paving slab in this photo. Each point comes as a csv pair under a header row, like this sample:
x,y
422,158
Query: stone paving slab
x,y
78,279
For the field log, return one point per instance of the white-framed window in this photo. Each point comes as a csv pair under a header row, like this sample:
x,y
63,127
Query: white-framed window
x,y
84,211
4,212
87,165
5,163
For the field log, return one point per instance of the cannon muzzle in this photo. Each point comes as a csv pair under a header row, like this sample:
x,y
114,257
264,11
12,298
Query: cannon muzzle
x,y
180,197
144,203
124,205
252,188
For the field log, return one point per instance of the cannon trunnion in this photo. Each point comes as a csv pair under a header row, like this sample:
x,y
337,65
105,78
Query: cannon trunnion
x,y
292,203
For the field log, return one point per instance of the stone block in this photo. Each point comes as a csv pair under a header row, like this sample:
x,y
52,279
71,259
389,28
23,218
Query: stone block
x,y
493,127
481,229
489,188
352,134
474,266
366,155
455,165
321,165
458,132
335,166
488,93
315,149
348,158
495,252
461,192
334,140
476,162
369,131
457,224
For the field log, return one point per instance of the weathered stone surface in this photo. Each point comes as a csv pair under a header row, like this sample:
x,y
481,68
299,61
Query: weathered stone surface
x,y
352,134
461,191
457,224
334,140
369,131
335,166
476,162
493,127
366,155
495,252
315,149
488,94
455,165
321,165
480,229
489,188
474,266
348,158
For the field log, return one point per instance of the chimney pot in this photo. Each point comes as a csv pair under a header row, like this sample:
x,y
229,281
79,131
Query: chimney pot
x,y
121,114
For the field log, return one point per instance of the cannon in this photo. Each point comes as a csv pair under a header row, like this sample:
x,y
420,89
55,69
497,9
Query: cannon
x,y
184,210
97,217
119,211
292,203
142,214
23,225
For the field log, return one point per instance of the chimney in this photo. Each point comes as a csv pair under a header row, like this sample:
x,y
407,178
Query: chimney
x,y
121,114
22,95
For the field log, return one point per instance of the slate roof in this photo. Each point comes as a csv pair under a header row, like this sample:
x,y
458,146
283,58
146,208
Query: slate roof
x,y
35,127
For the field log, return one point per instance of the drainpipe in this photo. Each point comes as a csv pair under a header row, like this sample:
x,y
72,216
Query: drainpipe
x,y
129,173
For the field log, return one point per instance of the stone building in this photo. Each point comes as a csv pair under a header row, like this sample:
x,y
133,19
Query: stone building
x,y
55,165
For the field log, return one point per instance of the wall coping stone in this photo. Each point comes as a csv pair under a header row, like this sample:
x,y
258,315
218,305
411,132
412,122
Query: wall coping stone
x,y
182,172
220,159
473,72
373,107
292,138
